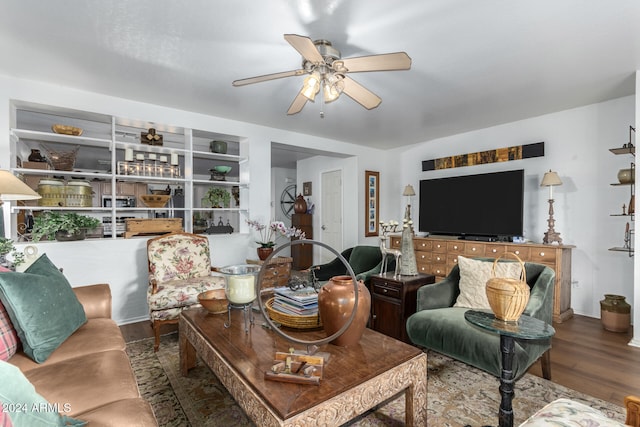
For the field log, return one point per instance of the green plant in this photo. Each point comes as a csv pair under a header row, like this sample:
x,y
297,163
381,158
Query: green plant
x,y
48,223
6,247
218,197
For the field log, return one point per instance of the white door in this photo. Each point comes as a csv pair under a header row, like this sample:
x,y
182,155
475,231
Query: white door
x,y
331,215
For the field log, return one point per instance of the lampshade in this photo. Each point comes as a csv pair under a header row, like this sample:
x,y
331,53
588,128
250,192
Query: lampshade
x,y
408,191
11,188
333,87
550,179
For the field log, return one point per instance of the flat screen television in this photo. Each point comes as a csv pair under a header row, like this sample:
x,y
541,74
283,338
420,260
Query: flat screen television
x,y
488,206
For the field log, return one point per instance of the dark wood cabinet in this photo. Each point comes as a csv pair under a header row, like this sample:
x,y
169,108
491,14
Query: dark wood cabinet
x,y
393,300
302,254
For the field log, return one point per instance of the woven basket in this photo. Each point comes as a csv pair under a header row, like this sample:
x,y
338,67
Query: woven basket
x,y
291,321
507,297
61,160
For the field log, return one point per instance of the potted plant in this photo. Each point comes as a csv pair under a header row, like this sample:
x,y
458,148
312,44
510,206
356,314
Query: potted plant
x,y
6,248
217,197
62,226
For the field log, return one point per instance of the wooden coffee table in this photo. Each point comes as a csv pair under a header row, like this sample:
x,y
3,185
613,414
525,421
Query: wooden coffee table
x,y
355,380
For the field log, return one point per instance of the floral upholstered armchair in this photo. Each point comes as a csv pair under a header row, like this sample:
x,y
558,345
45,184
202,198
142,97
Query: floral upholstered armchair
x,y
179,270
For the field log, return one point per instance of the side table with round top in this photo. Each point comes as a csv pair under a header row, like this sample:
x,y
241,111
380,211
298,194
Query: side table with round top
x,y
525,328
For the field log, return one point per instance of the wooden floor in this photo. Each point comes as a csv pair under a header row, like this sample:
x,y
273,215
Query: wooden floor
x,y
584,357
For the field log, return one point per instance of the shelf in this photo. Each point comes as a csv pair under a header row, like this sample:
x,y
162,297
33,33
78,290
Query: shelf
x,y
623,150
222,183
100,154
60,138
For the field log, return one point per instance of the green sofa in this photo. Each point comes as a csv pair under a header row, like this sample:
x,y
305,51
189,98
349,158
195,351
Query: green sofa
x,y
439,326
364,260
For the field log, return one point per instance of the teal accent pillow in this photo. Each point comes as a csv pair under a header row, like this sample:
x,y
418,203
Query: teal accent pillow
x,y
42,306
25,406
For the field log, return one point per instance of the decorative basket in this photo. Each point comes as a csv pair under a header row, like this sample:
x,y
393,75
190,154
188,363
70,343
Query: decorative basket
x,y
61,160
291,321
507,297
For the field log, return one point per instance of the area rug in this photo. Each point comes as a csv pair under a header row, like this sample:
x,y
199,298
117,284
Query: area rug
x,y
458,395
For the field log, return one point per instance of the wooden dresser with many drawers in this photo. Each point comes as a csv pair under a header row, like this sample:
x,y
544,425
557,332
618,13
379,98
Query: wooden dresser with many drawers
x,y
438,255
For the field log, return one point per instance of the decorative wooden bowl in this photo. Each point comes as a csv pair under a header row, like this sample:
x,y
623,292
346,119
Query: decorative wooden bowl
x,y
155,200
214,301
66,130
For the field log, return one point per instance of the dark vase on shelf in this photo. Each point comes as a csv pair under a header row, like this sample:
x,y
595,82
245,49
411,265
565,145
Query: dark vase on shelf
x,y
36,156
300,205
336,300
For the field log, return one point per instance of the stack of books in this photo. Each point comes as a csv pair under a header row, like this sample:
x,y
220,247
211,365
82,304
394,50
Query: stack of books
x,y
302,302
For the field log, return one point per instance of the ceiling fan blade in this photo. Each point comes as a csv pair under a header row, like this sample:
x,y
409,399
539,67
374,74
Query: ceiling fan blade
x,y
297,104
267,77
384,62
360,94
306,48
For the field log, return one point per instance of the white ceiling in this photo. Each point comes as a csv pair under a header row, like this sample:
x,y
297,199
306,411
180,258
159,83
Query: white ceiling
x,y
474,63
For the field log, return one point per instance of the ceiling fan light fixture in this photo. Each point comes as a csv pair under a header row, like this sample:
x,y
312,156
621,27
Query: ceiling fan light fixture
x,y
333,87
311,86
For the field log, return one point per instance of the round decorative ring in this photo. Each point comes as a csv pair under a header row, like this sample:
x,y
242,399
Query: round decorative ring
x,y
262,305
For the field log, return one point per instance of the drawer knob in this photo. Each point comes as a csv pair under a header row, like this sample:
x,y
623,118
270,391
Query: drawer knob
x,y
455,247
473,249
541,253
385,291
517,252
494,250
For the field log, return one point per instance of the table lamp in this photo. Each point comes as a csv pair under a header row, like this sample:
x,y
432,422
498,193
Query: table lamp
x,y
11,188
550,180
408,193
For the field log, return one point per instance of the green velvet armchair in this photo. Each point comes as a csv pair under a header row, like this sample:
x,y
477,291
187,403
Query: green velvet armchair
x,y
364,260
439,326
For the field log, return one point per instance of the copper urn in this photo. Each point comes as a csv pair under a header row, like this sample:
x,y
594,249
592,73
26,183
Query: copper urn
x,y
336,300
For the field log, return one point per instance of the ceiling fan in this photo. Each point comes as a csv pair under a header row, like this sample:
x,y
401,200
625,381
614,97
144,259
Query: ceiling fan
x,y
327,71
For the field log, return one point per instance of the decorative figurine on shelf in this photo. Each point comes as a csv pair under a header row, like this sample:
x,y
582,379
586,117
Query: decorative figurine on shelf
x,y
624,209
408,265
627,237
386,228
151,137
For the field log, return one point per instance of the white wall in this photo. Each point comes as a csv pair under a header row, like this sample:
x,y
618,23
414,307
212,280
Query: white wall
x,y
577,146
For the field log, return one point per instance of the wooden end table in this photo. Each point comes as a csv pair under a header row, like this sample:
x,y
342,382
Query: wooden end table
x,y
525,328
393,300
355,380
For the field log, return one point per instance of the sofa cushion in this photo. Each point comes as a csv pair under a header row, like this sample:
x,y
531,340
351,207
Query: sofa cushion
x,y
126,412
446,331
42,306
8,336
94,336
25,406
473,280
87,382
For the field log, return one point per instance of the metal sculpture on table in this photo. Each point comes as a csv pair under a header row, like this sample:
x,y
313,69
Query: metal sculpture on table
x,y
389,227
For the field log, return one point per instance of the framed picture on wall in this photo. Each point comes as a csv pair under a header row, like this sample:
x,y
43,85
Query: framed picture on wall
x,y
372,189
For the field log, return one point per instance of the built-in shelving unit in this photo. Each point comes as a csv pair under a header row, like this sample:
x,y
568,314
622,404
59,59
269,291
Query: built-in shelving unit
x,y
114,158
627,209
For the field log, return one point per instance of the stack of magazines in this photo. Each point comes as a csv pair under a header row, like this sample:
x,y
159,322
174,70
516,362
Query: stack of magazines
x,y
301,302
